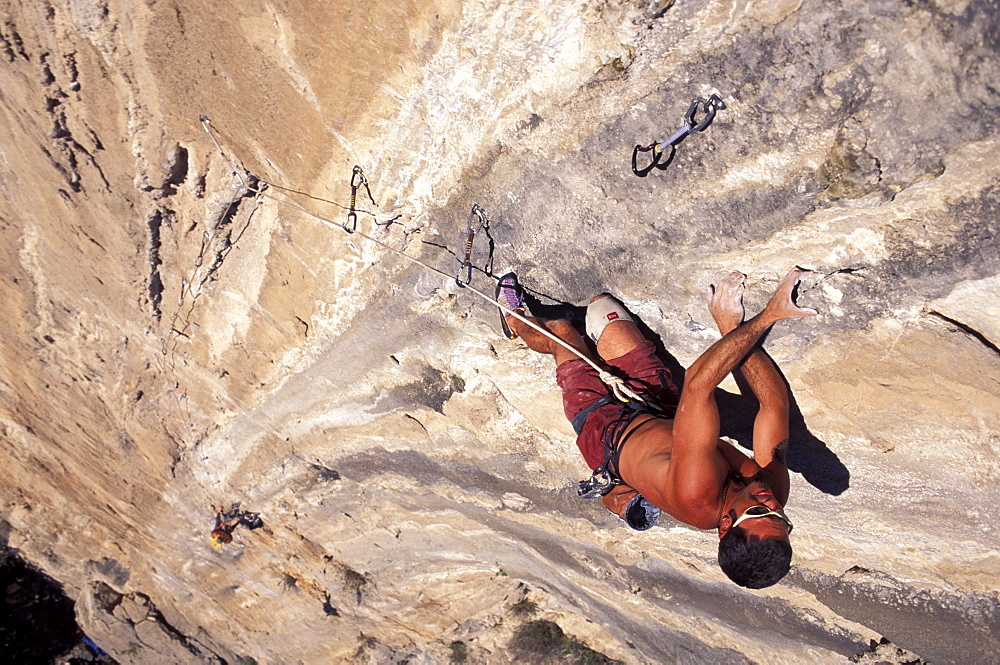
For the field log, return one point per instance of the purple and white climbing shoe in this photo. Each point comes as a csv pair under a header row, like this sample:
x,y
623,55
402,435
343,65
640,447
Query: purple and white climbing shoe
x,y
510,293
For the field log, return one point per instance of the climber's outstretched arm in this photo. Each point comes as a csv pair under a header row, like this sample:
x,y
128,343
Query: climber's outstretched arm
x,y
759,372
696,427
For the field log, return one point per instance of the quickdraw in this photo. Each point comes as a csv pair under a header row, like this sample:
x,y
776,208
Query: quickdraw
x,y
691,125
357,180
480,214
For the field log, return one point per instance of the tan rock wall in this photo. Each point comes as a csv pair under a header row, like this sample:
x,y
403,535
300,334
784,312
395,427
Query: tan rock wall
x,y
173,341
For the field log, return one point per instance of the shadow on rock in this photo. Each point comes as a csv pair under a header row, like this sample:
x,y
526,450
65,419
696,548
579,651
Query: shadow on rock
x,y
808,455
556,310
943,627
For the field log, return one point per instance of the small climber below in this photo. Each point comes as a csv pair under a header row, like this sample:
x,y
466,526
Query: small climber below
x,y
227,520
666,454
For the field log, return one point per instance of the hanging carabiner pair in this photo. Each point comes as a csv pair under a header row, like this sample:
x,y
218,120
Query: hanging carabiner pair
x,y
357,180
691,124
480,214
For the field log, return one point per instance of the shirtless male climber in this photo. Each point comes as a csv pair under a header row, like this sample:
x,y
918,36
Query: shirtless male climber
x,y
667,455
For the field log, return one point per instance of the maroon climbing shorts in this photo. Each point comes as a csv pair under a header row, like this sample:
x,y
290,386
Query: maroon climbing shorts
x,y
581,387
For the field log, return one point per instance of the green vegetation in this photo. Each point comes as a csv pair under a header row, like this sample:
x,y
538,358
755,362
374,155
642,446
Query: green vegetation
x,y
542,641
354,581
459,652
524,607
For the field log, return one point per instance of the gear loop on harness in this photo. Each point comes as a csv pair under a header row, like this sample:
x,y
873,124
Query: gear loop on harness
x,y
599,484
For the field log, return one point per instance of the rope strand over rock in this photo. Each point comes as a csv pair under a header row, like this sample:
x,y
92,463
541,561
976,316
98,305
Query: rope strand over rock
x,y
617,385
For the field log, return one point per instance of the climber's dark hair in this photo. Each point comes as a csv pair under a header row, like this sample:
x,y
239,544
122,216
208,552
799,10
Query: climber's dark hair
x,y
754,562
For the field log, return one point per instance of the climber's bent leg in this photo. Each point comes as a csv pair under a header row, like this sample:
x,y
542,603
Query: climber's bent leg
x,y
611,326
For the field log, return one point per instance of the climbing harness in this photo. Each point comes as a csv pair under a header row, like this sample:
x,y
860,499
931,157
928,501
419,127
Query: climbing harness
x,y
606,476
480,214
691,125
357,179
258,186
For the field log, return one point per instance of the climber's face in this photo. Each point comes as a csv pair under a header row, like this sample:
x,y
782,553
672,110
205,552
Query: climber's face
x,y
757,511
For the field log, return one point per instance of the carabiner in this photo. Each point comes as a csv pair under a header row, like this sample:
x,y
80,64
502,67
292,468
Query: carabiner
x,y
711,104
358,174
477,213
598,484
357,180
658,150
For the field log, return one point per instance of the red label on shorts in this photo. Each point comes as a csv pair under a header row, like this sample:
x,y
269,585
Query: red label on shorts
x,y
612,316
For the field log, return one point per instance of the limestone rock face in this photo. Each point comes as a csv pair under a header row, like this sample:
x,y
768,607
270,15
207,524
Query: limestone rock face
x,y
130,627
186,327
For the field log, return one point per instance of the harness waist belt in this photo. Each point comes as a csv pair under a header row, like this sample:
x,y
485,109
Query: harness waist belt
x,y
580,419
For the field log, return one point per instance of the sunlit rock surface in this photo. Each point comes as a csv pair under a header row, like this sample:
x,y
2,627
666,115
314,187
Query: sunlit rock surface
x,y
172,341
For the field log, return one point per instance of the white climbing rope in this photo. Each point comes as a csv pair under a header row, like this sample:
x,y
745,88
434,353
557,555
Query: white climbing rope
x,y
617,385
